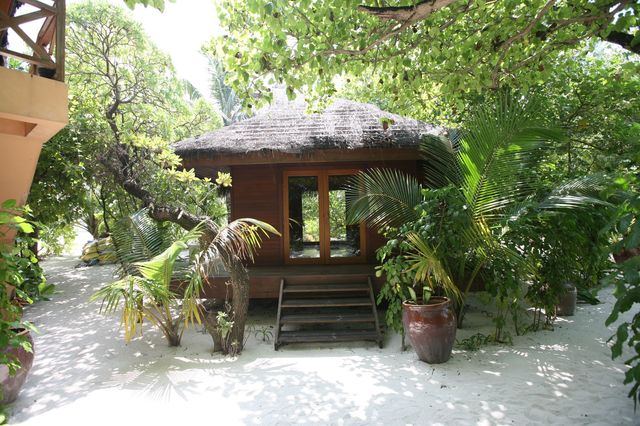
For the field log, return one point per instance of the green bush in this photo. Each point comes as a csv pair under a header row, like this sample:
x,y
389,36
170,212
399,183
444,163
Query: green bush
x,y
443,219
11,276
626,276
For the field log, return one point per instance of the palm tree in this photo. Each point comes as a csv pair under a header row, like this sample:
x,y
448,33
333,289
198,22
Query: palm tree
x,y
150,265
146,294
228,103
489,163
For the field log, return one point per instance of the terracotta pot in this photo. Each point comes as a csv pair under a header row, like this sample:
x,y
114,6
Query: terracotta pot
x,y
431,329
567,304
11,385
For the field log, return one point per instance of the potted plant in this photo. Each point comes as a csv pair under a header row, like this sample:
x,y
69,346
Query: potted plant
x,y
430,321
422,264
16,357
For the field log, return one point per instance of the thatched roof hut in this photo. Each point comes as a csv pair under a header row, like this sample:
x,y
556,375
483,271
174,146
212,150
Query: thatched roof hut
x,y
285,128
290,168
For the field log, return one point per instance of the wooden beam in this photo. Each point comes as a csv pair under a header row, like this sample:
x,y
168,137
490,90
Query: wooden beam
x,y
23,19
38,51
60,43
47,32
39,5
27,58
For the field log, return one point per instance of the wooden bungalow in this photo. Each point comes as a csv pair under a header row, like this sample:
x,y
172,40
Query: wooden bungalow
x,y
289,169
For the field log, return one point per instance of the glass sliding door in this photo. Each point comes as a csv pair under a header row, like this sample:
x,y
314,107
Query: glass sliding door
x,y
315,208
304,217
344,240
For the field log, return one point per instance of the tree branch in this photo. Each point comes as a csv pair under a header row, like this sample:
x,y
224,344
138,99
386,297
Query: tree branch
x,y
407,14
509,42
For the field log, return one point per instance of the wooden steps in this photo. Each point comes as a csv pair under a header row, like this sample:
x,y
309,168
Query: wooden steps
x,y
319,336
314,288
326,311
324,318
336,302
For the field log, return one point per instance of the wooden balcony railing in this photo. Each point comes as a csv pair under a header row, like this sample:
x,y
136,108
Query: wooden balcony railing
x,y
47,57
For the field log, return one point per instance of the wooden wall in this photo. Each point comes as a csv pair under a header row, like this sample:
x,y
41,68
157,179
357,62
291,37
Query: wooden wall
x,y
257,193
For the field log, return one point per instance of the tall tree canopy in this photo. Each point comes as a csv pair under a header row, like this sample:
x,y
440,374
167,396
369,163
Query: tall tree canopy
x,y
122,89
439,46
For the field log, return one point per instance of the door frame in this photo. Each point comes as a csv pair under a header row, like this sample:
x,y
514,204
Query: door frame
x,y
323,209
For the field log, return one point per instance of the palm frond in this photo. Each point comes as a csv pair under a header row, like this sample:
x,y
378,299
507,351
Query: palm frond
x,y
382,197
581,192
190,90
429,268
228,103
242,237
441,166
497,148
137,238
128,292
160,268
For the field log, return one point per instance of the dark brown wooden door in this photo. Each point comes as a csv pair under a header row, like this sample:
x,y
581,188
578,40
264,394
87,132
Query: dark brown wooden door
x,y
315,208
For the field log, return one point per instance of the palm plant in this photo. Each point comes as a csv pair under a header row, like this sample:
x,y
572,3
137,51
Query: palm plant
x,y
489,164
150,265
145,293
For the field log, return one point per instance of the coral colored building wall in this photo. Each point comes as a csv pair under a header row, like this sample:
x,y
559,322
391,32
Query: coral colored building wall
x,y
32,110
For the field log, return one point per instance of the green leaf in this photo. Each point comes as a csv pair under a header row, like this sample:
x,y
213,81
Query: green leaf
x,y
25,227
412,294
9,204
621,336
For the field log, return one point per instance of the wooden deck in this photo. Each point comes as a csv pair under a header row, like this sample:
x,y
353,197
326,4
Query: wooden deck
x,y
265,280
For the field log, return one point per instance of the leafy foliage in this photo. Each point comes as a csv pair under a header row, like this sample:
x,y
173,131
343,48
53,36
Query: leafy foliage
x,y
479,183
425,253
150,267
458,50
58,193
12,278
627,280
119,81
158,4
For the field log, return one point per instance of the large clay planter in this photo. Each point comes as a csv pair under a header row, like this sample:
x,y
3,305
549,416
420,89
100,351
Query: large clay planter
x,y
11,385
567,303
431,329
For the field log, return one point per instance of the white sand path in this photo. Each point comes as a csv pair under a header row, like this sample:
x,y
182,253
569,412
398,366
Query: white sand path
x,y
84,374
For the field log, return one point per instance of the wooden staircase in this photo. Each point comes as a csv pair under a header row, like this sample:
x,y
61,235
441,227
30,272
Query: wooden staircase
x,y
327,309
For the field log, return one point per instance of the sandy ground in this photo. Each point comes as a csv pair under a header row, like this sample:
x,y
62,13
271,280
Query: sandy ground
x,y
84,374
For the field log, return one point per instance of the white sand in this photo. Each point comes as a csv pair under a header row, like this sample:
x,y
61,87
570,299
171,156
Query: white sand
x,y
84,374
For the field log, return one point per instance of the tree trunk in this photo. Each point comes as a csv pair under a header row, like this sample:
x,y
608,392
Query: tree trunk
x,y
34,242
173,338
239,303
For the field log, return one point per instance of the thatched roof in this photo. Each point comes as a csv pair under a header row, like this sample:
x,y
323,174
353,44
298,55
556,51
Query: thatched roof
x,y
285,128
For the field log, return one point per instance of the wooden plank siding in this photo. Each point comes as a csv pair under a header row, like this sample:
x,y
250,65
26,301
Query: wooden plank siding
x,y
256,193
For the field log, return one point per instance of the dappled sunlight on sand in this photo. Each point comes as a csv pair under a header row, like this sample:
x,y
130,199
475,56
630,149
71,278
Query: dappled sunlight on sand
x,y
85,374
